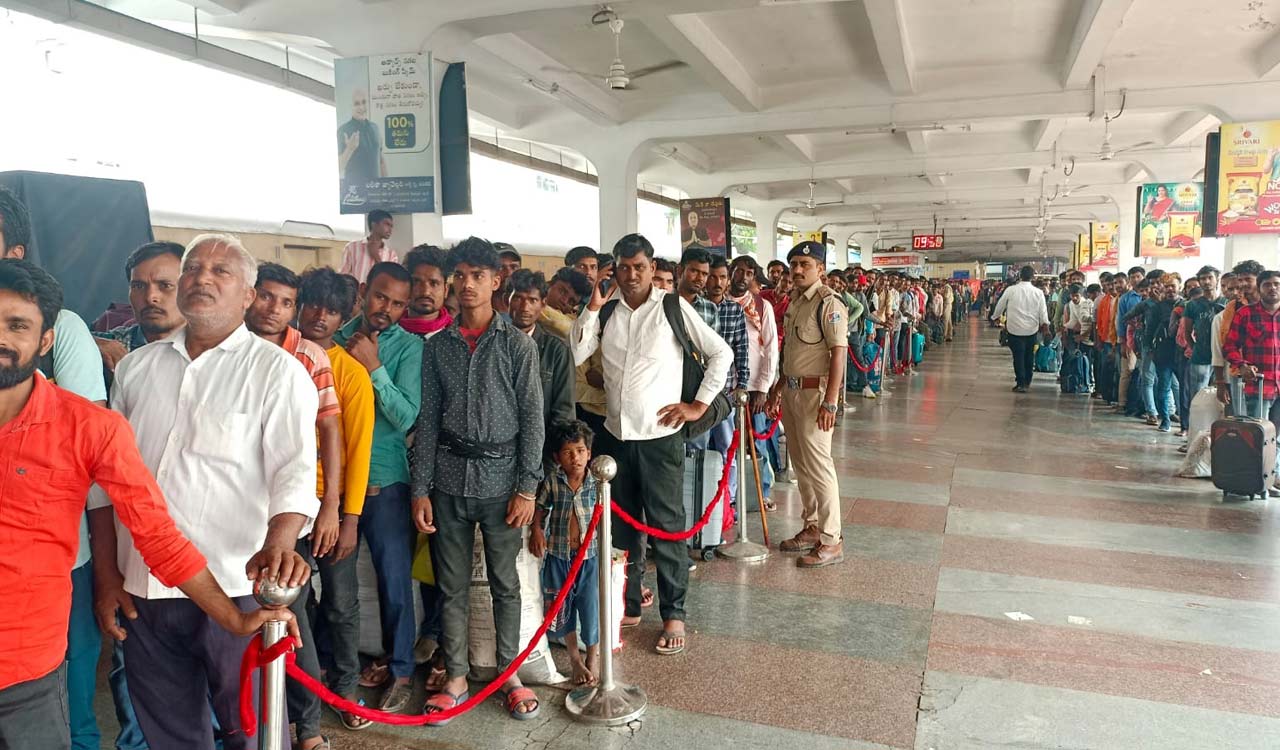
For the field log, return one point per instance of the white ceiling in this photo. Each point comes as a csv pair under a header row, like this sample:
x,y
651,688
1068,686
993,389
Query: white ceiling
x,y
902,110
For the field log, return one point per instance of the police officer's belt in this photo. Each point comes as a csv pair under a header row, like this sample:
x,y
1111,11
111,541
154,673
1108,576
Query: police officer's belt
x,y
467,448
804,384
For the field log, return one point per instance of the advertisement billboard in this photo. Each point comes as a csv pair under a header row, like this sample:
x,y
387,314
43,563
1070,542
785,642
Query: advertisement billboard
x,y
1169,219
704,223
1249,179
1104,245
386,134
897,260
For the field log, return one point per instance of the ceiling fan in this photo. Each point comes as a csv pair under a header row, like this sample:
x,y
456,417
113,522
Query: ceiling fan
x,y
811,203
618,78
1107,152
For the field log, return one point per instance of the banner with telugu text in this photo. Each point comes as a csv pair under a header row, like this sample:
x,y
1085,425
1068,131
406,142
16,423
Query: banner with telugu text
x,y
386,133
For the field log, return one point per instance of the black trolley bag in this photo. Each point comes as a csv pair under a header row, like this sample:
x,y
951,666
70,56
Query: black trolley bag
x,y
1243,450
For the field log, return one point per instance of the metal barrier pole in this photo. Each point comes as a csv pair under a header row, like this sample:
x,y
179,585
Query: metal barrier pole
x,y
743,550
272,725
608,702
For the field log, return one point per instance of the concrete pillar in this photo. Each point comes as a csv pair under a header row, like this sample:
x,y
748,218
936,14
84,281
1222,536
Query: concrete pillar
x,y
840,236
417,229
618,169
767,217
1264,248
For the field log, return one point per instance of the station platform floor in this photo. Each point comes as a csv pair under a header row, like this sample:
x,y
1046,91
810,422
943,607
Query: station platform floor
x,y
1021,571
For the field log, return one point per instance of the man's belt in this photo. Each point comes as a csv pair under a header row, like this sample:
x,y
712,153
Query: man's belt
x,y
804,384
476,449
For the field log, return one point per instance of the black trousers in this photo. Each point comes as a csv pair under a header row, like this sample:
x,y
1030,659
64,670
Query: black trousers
x,y
1024,357
650,486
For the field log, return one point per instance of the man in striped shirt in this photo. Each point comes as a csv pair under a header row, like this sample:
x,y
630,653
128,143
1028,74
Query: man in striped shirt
x,y
359,257
268,317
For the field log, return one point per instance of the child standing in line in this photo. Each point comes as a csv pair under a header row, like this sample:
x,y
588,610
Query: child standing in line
x,y
566,501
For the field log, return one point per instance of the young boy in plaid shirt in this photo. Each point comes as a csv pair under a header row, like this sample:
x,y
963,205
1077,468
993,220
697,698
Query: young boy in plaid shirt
x,y
566,500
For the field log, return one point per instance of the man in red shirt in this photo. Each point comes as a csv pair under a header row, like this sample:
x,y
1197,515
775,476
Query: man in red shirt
x,y
1252,347
56,444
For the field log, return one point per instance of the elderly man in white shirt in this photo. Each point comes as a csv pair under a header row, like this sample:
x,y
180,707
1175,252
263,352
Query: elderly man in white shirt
x,y
1026,315
226,422
762,355
643,373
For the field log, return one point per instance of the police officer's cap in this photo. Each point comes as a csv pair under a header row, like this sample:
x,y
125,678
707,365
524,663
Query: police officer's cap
x,y
809,249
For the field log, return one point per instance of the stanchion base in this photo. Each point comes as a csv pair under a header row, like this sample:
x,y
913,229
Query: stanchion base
x,y
743,551
621,705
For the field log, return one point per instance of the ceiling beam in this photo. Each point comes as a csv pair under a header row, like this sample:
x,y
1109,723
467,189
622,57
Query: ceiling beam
x,y
953,196
914,166
1267,58
1095,26
1187,127
219,7
1136,172
693,41
1047,132
800,147
573,90
918,140
686,155
889,28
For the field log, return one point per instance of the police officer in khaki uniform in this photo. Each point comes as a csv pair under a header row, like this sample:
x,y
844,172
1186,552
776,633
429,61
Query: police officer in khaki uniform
x,y
813,362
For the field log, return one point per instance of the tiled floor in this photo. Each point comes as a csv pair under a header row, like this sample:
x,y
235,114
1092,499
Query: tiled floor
x,y
1021,572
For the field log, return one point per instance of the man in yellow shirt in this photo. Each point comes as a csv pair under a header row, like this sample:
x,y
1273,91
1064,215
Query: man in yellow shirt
x,y
325,300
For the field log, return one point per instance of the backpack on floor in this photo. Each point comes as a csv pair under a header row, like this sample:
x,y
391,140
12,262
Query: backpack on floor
x,y
1075,373
1047,358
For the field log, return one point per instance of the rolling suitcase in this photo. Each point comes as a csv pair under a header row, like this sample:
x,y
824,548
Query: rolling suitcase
x,y
702,470
1243,452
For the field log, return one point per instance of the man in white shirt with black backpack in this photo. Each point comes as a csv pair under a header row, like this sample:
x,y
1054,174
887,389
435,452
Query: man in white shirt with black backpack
x,y
643,378
1026,315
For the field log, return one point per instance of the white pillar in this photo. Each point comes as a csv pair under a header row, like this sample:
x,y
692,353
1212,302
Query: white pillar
x,y
840,236
412,230
618,169
1264,248
767,216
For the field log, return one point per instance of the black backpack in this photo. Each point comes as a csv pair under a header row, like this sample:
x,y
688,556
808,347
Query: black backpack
x,y
719,409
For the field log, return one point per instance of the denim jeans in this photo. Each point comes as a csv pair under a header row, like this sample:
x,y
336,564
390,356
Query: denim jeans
x,y
1200,377
84,643
387,526
766,452
854,378
1164,401
335,622
718,440
1147,363
456,520
33,714
1270,411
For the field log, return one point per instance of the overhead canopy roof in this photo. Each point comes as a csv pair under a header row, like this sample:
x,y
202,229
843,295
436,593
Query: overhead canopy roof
x,y
899,111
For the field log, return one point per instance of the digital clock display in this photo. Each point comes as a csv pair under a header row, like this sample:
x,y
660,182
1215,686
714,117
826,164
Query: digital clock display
x,y
926,242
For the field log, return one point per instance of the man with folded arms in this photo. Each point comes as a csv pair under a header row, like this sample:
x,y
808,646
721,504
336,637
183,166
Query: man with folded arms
x,y
57,445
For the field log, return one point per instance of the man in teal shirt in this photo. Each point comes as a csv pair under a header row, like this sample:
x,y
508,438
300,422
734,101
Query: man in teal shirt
x,y
393,357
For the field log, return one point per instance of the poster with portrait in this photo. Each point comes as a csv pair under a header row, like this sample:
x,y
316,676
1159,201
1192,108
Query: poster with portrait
x,y
704,223
386,134
1249,179
1169,219
1104,245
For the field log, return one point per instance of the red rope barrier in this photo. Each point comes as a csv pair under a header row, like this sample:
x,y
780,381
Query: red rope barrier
x,y
769,432
680,536
253,659
854,361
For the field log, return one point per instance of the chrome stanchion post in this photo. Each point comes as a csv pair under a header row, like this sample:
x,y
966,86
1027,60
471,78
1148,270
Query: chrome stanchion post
x,y
743,550
609,701
272,727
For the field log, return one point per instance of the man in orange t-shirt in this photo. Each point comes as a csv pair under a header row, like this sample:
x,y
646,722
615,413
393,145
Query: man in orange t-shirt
x,y
58,444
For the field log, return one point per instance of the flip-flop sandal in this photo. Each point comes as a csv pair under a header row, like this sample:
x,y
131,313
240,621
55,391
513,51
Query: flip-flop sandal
x,y
443,701
517,696
629,625
375,675
436,679
666,638
646,598
770,506
352,722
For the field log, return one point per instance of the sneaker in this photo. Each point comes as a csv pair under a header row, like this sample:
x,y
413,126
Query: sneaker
x,y
868,393
1165,426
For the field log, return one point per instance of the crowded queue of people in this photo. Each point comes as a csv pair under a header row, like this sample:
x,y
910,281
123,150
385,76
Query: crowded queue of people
x,y
1150,341
263,423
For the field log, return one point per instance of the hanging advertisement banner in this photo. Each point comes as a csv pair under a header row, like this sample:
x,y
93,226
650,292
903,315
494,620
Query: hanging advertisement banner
x,y
818,237
1249,179
1104,245
704,223
386,134
897,260
1169,219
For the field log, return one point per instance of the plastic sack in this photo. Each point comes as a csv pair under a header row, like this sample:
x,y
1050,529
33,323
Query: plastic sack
x,y
1198,463
1205,410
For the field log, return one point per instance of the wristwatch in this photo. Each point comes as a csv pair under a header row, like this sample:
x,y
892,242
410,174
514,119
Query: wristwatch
x,y
831,408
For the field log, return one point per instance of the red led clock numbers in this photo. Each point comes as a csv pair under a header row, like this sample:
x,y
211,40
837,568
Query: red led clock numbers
x,y
926,242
